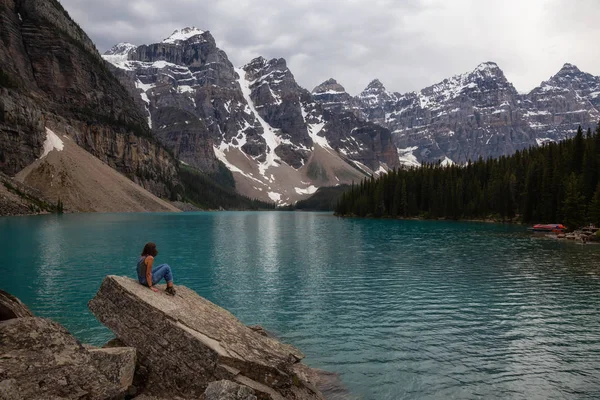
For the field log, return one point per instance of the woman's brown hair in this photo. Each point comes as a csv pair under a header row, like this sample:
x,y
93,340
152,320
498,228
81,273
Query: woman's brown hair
x,y
150,250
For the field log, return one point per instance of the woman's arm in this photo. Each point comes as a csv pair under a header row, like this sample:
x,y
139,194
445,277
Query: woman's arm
x,y
149,261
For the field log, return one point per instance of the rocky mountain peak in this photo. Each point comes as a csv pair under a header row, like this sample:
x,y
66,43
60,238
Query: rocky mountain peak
x,y
332,96
487,77
260,63
487,71
570,77
121,49
330,86
375,85
568,69
375,95
255,64
183,35
488,66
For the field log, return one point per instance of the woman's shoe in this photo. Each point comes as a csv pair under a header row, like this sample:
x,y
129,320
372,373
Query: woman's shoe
x,y
170,290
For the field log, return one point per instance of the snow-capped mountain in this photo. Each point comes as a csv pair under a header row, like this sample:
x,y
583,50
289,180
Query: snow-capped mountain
x,y
282,142
559,105
479,114
279,143
570,77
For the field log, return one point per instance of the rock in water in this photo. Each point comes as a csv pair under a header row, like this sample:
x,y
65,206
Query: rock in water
x,y
11,307
186,342
40,360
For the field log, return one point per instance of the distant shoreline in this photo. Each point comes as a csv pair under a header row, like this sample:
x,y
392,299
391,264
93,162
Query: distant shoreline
x,y
486,220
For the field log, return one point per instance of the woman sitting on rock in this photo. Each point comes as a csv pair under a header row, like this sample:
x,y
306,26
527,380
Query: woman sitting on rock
x,y
148,276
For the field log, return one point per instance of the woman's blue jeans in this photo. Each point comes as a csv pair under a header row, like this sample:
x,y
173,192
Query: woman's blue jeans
x,y
158,273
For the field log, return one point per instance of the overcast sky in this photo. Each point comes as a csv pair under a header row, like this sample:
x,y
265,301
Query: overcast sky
x,y
407,44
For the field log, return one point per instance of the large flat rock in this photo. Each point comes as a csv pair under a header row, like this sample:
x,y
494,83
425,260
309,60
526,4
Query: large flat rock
x,y
186,342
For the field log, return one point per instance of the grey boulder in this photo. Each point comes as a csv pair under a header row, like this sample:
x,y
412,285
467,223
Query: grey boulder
x,y
39,359
186,342
227,390
117,364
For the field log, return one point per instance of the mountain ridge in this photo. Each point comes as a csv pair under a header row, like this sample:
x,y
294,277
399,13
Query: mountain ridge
x,y
477,114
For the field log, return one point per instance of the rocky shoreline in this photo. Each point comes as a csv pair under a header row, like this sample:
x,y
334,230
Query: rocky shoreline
x,y
182,347
584,235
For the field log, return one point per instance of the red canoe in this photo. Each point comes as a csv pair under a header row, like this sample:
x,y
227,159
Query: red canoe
x,y
555,228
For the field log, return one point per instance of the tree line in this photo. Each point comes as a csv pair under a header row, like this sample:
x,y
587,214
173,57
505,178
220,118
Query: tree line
x,y
216,191
554,183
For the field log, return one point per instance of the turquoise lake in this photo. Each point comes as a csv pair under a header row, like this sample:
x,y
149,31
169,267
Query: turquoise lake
x,y
401,309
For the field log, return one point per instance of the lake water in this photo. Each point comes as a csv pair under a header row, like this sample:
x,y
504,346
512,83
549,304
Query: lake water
x,y
401,309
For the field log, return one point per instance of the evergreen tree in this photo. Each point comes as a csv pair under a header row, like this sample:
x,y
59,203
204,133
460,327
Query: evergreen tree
x,y
594,210
573,206
59,206
578,151
590,168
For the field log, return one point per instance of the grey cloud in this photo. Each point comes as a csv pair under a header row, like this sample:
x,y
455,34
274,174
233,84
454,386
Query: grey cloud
x,y
407,44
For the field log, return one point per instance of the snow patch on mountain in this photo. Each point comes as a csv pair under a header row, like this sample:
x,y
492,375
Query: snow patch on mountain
x,y
543,141
307,191
381,171
407,157
183,35
121,49
144,88
362,166
52,142
118,55
220,153
269,134
276,197
447,162
315,128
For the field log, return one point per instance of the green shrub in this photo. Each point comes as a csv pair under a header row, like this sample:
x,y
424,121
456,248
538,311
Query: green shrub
x,y
36,205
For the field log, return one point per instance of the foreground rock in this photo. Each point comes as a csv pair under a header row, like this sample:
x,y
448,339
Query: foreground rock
x,y
41,360
186,342
117,364
11,307
227,390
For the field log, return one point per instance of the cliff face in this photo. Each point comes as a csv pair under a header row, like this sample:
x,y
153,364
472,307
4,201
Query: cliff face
x,y
187,89
51,73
